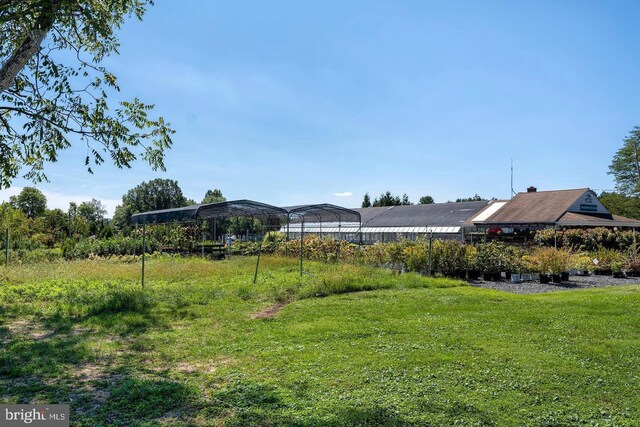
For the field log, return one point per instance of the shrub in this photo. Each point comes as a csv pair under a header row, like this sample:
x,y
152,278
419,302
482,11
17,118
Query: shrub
x,y
550,260
607,258
489,256
416,257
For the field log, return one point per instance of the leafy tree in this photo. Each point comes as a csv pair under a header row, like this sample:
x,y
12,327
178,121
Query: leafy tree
x,y
621,204
72,213
625,166
15,220
426,200
52,226
31,201
387,199
149,196
366,202
476,198
240,225
94,213
213,196
46,102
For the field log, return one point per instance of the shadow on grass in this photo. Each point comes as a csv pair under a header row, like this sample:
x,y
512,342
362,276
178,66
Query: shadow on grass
x,y
139,401
248,403
75,360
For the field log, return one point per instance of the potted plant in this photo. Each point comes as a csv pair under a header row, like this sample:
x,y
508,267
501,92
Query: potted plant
x,y
489,261
471,262
616,269
602,260
550,261
559,264
537,263
583,264
632,263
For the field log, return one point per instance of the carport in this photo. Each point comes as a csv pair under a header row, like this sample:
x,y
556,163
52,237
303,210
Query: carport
x,y
267,214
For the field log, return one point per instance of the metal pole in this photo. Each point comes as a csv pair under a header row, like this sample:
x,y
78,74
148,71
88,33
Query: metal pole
x,y
135,240
6,249
555,237
301,244
255,275
202,247
144,247
339,237
430,247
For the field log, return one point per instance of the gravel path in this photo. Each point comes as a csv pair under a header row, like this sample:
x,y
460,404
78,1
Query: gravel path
x,y
535,287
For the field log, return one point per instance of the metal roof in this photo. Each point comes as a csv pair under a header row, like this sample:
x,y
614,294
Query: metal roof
x,y
333,228
247,208
323,212
319,212
432,215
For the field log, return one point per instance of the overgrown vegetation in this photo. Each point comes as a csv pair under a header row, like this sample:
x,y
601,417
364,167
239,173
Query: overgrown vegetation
x,y
188,350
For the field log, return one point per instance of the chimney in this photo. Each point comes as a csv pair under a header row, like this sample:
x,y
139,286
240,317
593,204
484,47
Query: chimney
x,y
532,189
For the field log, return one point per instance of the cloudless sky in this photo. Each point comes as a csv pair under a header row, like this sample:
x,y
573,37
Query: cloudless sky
x,y
290,102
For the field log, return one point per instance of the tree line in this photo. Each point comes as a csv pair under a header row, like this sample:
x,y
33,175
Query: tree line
x,y
388,199
33,225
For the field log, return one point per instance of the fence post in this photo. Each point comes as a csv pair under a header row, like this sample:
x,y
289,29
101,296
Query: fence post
x,y
144,247
430,246
301,244
6,249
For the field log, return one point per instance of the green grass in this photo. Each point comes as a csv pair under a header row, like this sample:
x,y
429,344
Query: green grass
x,y
186,350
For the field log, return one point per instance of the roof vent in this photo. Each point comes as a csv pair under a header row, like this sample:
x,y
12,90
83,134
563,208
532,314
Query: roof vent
x,y
532,189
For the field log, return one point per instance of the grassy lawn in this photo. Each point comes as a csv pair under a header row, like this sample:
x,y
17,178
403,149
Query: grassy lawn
x,y
196,347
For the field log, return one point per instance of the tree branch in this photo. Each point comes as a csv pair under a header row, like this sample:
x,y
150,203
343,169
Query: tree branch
x,y
29,47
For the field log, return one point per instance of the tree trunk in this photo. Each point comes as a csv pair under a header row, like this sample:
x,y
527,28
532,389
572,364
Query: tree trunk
x,y
30,45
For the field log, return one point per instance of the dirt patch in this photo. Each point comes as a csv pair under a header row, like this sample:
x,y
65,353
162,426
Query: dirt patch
x,y
271,311
28,329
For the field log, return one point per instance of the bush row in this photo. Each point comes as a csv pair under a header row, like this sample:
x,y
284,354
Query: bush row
x,y
592,239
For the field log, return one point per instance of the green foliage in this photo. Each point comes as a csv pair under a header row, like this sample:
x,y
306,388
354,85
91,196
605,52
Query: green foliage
x,y
30,201
93,212
148,196
621,204
366,201
426,200
608,258
388,199
586,240
189,350
213,196
625,166
550,260
490,256
476,198
46,103
86,248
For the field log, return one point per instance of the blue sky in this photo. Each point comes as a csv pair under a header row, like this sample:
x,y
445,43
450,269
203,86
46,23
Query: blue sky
x,y
292,102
